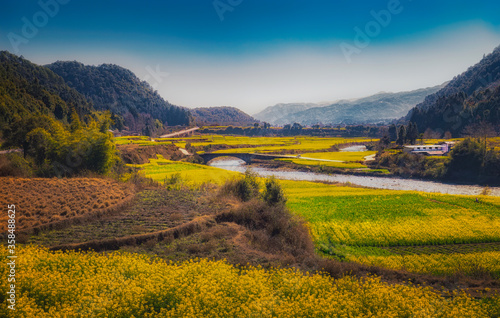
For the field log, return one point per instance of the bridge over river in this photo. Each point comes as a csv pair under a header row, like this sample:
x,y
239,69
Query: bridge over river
x,y
247,157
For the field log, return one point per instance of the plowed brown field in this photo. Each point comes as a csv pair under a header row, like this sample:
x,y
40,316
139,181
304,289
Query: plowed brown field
x,y
41,201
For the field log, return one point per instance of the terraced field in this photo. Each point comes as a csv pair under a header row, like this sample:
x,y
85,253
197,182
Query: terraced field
x,y
153,210
40,202
248,144
293,144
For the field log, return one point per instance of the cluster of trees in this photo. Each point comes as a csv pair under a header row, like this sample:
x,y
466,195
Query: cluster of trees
x,y
264,129
248,188
57,149
404,134
471,159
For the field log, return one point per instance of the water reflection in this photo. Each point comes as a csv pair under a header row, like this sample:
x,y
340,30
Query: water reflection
x,y
354,148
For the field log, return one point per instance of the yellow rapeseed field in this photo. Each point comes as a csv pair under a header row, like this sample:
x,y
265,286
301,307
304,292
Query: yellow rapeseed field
x,y
473,264
191,174
77,284
374,217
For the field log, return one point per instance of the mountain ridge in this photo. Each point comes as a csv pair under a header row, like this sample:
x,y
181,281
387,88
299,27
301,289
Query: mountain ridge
x,y
380,107
28,89
469,98
112,87
222,115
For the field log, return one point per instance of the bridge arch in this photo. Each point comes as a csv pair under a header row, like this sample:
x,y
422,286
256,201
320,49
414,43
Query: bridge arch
x,y
207,157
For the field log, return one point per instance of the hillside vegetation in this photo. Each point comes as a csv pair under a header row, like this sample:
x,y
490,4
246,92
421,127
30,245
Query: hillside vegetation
x,y
470,98
114,88
222,116
27,89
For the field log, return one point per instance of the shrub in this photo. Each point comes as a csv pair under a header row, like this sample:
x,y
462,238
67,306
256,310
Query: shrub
x,y
14,165
245,188
273,193
470,159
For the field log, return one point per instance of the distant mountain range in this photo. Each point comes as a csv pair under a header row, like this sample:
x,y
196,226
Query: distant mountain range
x,y
273,114
223,115
379,108
470,98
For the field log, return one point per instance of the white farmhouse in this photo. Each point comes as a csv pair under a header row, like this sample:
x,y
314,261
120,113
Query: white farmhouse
x,y
430,150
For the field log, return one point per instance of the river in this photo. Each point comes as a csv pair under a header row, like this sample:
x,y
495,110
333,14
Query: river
x,y
391,183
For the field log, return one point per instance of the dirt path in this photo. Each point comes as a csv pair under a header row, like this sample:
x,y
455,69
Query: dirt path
x,y
182,132
10,151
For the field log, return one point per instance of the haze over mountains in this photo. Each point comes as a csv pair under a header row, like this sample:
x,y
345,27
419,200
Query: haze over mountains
x,y
379,108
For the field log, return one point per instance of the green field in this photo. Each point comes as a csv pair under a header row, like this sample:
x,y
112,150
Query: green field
x,y
162,170
362,225
295,144
247,144
352,156
333,164
339,159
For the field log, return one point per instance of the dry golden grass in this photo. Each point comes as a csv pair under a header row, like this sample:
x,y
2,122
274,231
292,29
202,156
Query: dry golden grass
x,y
40,202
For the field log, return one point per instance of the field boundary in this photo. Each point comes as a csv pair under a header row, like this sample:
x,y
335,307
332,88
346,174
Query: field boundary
x,y
196,225
77,219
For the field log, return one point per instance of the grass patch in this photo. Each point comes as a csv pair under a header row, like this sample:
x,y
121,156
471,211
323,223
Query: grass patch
x,y
340,155
191,174
343,165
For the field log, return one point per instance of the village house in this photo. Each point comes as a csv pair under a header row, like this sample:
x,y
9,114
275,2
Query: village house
x,y
430,150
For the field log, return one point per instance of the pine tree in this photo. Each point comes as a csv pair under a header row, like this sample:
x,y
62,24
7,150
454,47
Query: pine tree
x,y
401,135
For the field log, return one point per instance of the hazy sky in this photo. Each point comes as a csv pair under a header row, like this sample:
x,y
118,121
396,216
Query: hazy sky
x,y
255,53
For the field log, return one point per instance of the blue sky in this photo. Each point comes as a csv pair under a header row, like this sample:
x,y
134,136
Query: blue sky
x,y
253,53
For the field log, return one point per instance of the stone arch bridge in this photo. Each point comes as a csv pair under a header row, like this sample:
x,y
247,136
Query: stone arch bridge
x,y
247,157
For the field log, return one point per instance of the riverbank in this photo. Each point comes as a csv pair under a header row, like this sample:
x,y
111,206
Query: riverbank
x,y
379,182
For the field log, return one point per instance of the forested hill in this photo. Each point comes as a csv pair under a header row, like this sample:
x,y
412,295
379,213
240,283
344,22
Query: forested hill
x,y
114,88
223,116
470,98
29,89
